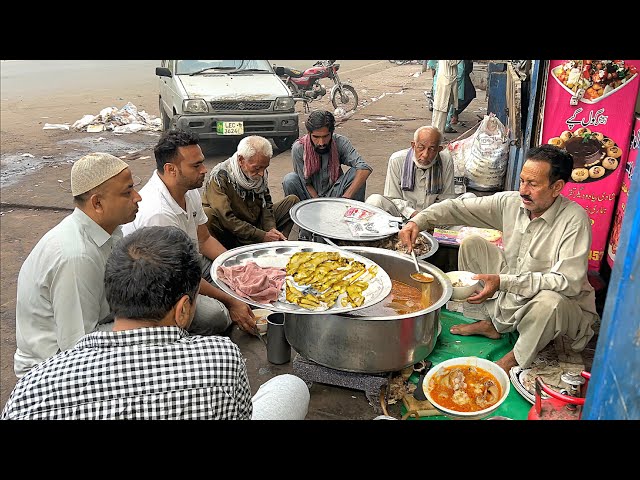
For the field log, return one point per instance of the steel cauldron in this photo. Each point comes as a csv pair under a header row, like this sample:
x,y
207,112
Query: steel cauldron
x,y
373,344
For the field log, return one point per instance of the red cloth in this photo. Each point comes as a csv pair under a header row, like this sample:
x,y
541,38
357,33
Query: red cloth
x,y
251,281
311,159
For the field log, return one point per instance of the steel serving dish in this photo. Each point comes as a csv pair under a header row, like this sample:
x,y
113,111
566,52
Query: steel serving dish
x,y
323,216
277,254
373,344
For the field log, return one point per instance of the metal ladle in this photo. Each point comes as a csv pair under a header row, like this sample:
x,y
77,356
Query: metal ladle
x,y
419,276
425,279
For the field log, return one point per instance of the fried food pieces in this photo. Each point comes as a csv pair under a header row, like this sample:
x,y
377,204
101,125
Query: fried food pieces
x,y
326,276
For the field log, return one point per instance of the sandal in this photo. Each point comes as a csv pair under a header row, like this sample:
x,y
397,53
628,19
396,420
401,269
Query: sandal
x,y
450,130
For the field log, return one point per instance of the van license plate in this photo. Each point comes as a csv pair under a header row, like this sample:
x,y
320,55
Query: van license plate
x,y
230,128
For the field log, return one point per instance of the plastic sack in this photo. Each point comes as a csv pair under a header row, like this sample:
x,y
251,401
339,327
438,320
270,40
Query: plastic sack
x,y
487,157
459,150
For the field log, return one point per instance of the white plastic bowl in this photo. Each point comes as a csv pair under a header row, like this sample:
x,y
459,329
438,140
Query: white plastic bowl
x,y
488,365
470,285
261,319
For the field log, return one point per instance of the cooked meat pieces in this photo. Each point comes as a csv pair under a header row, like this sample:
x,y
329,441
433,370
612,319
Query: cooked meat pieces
x,y
421,247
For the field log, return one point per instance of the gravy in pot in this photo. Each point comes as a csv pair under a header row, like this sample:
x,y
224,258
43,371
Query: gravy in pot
x,y
402,299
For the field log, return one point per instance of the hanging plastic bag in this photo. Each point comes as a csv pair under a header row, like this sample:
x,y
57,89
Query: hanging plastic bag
x,y
487,157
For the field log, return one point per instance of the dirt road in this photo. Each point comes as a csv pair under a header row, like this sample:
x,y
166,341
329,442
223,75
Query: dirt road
x,y
34,198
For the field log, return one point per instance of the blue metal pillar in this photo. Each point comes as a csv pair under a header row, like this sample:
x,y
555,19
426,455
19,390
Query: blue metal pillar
x,y
497,91
518,152
613,392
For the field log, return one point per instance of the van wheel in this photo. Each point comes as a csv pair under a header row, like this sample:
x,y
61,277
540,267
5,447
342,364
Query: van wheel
x,y
284,143
166,121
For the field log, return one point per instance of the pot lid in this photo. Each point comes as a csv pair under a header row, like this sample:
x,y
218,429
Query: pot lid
x,y
332,218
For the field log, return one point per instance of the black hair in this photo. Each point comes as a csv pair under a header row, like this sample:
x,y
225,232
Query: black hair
x,y
319,119
559,159
83,197
166,150
149,270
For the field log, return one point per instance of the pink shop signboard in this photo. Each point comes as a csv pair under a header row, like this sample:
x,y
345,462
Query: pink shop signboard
x,y
589,111
624,193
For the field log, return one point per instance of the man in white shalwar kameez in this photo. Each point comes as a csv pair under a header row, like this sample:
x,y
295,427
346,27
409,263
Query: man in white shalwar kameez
x,y
446,92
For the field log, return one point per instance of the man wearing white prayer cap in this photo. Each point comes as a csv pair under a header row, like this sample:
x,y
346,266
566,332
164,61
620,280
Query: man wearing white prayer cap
x,y
60,293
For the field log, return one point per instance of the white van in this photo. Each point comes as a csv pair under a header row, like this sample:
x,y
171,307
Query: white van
x,y
227,99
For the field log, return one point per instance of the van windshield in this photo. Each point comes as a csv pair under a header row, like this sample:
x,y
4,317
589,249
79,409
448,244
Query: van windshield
x,y
195,67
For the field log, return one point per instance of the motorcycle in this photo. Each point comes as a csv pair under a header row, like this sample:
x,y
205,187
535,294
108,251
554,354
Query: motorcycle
x,y
305,86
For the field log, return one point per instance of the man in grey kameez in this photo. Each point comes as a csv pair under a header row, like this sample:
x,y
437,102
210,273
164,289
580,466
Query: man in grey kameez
x,y
317,163
538,285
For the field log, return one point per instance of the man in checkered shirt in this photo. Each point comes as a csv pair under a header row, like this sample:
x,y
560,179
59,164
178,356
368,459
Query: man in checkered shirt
x,y
149,367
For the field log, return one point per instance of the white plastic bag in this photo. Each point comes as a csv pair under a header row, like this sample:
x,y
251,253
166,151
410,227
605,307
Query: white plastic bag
x,y
459,150
486,159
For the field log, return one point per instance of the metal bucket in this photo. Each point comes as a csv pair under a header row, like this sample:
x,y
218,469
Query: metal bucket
x,y
373,344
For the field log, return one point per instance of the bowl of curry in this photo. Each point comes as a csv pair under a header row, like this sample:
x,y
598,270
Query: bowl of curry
x,y
468,388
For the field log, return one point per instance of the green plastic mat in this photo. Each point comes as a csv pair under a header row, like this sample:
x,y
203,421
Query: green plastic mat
x,y
452,346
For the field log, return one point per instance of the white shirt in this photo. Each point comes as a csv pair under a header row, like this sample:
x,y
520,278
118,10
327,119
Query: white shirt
x,y
60,292
158,207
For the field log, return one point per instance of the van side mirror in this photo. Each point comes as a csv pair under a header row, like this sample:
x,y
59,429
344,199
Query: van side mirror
x,y
163,72
280,71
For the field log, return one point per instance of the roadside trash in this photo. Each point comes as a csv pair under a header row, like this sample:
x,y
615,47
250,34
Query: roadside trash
x,y
131,128
126,120
55,126
83,122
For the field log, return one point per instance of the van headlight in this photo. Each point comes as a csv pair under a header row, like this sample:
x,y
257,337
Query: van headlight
x,y
284,103
195,105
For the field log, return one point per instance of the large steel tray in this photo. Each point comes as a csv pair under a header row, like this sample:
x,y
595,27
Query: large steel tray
x,y
277,254
323,216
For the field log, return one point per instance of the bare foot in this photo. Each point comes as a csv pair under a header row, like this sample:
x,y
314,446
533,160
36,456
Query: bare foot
x,y
481,327
507,362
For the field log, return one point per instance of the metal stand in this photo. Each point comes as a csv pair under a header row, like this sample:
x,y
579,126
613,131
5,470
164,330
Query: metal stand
x,y
371,384
305,102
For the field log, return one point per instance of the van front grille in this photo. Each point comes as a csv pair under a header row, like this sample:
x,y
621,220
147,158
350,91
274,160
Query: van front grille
x,y
241,106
